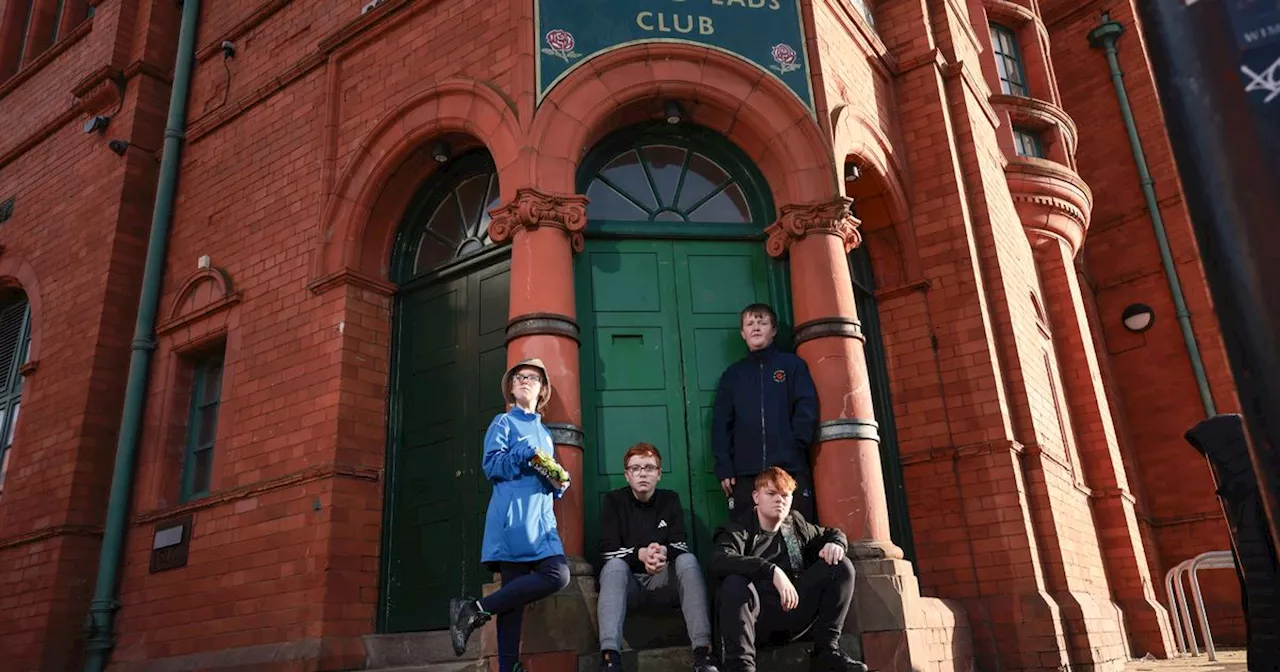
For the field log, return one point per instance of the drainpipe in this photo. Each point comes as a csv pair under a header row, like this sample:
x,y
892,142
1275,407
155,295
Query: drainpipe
x,y
1104,37
102,609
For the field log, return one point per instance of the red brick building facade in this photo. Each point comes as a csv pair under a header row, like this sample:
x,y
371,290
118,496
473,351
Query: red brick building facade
x,y
377,210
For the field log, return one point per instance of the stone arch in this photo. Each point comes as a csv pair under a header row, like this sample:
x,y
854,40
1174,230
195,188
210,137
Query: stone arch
x,y
880,196
363,212
16,273
719,92
855,137
202,289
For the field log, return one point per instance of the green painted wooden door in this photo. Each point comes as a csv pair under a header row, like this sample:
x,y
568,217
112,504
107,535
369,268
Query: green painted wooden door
x,y
450,356
660,323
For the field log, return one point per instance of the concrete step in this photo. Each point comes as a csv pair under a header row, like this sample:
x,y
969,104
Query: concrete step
x,y
409,650
787,658
464,666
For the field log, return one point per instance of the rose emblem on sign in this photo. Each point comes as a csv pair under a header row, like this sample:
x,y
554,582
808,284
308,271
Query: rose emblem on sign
x,y
785,57
560,44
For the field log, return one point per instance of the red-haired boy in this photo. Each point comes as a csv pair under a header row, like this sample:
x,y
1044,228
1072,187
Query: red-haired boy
x,y
781,577
646,559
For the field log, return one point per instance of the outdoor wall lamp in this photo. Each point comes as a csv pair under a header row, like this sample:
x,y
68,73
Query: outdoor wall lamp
x,y
851,171
96,124
1138,317
119,147
674,113
441,152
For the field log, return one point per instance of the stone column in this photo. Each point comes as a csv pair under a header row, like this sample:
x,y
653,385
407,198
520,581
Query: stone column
x,y
849,485
1114,510
544,231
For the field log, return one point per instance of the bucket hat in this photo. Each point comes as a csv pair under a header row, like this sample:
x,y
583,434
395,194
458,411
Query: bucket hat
x,y
544,395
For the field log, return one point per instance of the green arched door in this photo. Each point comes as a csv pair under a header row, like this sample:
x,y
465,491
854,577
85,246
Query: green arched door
x,y
448,354
674,251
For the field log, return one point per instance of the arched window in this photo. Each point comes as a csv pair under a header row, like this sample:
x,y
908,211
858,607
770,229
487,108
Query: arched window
x,y
15,339
448,219
670,176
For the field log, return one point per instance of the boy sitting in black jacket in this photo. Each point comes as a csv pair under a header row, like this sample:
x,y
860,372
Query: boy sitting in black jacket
x,y
646,559
782,577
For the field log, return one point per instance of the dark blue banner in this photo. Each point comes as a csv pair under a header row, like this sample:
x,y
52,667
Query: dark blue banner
x,y
767,33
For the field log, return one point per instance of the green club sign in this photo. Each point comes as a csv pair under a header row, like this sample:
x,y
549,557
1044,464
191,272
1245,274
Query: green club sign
x,y
766,33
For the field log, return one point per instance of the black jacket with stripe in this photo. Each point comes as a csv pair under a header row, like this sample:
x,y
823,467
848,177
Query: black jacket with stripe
x,y
628,525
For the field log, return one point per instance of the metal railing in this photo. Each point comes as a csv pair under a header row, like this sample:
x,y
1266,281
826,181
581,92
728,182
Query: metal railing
x,y
1178,607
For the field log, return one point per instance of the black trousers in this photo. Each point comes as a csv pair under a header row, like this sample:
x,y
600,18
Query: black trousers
x,y
744,508
523,583
751,613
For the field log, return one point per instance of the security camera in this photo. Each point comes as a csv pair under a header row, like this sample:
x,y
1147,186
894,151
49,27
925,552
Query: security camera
x,y
118,146
228,49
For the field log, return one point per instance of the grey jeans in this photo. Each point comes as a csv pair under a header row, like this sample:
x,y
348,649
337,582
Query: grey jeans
x,y
619,588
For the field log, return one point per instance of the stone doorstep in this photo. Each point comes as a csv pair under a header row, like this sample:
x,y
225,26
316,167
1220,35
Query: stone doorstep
x,y
663,647
413,649
465,666
788,658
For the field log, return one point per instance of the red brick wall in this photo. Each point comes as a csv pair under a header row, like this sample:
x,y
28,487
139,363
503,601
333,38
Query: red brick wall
x,y
286,551
75,245
1151,372
284,554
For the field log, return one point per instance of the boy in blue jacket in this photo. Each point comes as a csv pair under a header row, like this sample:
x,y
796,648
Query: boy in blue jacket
x,y
765,415
520,536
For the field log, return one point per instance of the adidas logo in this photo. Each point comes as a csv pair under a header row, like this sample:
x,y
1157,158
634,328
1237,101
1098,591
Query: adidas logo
x,y
662,524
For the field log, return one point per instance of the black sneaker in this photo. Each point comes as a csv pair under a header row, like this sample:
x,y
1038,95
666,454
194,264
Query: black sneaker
x,y
702,661
610,661
834,660
465,617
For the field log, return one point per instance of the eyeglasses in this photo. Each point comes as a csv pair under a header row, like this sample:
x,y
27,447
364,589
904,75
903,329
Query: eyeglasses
x,y
527,378
643,469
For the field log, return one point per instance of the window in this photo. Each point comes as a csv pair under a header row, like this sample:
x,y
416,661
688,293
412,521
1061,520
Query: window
x,y
202,426
15,340
455,204
14,26
30,27
665,183
1013,80
864,8
1027,143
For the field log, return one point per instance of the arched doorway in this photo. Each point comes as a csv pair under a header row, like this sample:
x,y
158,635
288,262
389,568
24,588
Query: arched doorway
x,y
864,296
674,251
448,354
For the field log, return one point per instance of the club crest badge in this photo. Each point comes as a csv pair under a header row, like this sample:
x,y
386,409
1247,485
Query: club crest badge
x,y
779,376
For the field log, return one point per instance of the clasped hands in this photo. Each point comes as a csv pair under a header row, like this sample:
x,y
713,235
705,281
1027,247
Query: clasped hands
x,y
831,554
654,557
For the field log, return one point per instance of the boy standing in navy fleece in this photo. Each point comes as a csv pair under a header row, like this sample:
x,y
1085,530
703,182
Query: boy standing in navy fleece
x,y
765,415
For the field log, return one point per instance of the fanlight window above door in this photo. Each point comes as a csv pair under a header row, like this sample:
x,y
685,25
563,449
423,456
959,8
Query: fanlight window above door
x,y
663,183
458,224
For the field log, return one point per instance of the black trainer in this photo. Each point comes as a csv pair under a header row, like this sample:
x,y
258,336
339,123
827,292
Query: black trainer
x,y
465,617
834,660
610,661
702,661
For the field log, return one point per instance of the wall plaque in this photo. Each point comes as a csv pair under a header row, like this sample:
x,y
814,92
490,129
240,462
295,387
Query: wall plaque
x,y
766,33
169,544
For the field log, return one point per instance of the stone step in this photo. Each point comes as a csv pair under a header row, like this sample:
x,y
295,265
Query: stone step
x,y
410,650
464,666
787,658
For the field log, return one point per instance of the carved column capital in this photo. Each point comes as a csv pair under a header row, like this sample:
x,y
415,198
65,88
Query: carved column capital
x,y
797,221
531,209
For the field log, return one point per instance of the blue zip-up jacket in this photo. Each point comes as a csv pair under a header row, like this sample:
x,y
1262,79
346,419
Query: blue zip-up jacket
x,y
765,415
520,525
